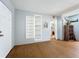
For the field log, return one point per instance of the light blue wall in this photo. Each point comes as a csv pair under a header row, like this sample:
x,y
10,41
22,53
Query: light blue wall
x,y
46,32
59,27
76,26
20,37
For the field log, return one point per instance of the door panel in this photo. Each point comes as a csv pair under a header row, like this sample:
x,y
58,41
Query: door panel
x,y
5,28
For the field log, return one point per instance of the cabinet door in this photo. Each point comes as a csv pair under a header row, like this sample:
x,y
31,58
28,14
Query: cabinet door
x,y
38,28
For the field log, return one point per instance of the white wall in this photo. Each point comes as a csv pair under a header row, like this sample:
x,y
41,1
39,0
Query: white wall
x,y
7,43
20,31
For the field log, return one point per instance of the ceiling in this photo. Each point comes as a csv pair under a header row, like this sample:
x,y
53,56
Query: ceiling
x,y
50,7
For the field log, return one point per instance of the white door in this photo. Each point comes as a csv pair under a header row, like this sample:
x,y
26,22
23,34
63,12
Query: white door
x,y
5,30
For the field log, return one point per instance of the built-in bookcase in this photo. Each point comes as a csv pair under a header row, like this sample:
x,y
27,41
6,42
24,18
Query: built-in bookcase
x,y
38,27
34,27
29,27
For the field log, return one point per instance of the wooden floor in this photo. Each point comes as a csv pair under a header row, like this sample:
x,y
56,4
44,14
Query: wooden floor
x,y
51,49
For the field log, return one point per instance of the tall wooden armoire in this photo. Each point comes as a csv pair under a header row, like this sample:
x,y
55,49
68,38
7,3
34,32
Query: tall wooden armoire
x,y
69,32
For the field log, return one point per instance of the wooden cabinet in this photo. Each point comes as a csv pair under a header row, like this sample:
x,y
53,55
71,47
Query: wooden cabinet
x,y
69,32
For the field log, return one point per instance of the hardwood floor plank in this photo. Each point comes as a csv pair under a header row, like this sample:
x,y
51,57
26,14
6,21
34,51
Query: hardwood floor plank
x,y
50,49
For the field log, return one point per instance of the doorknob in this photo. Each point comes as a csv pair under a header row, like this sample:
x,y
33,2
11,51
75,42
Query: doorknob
x,y
0,31
1,34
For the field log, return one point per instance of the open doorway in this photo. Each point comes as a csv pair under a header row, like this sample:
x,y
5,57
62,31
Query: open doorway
x,y
53,28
